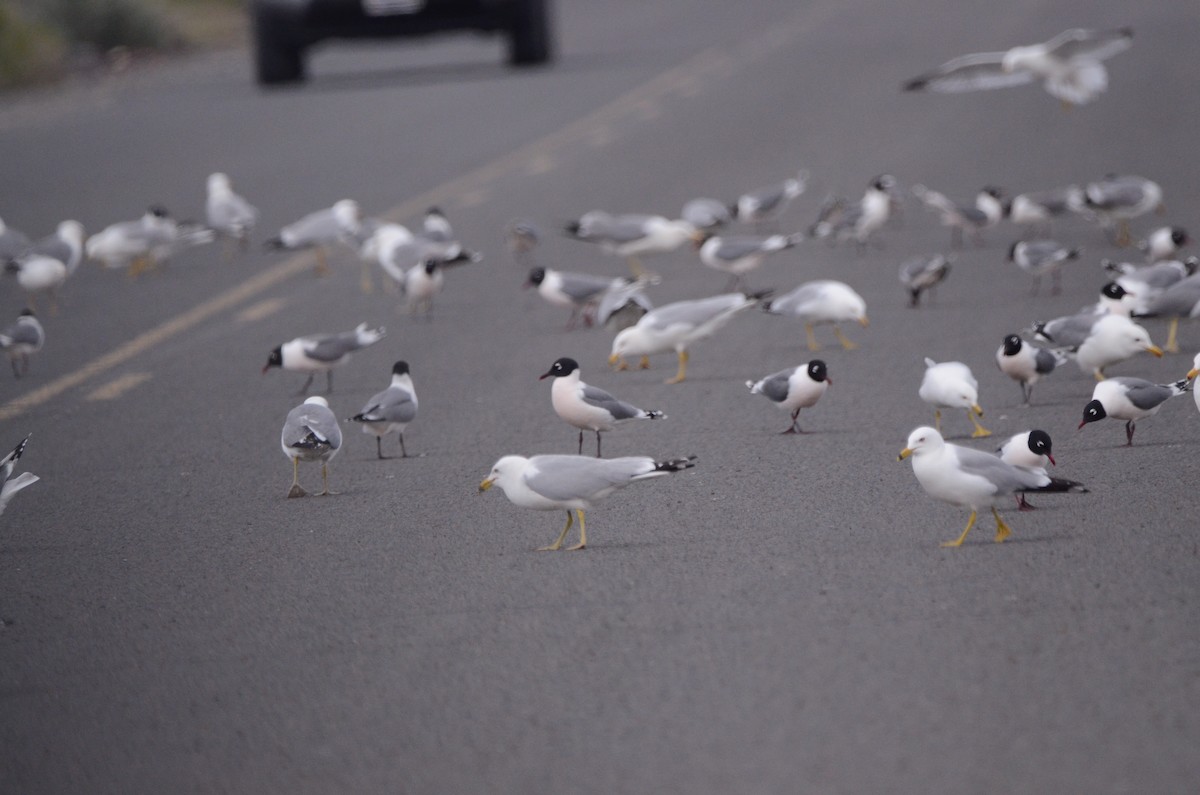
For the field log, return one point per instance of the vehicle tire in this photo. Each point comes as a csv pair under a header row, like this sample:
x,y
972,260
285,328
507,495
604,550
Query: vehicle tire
x,y
529,33
277,57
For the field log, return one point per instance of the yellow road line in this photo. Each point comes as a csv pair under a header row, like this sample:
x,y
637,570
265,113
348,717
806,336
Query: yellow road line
x,y
713,62
118,386
258,311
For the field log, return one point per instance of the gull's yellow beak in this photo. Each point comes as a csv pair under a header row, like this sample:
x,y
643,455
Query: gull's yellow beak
x,y
905,453
862,321
612,360
1193,373
977,409
1157,351
486,484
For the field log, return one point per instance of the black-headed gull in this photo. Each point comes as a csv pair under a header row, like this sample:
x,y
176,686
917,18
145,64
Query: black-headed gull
x,y
1025,363
321,352
587,407
391,410
1129,399
793,389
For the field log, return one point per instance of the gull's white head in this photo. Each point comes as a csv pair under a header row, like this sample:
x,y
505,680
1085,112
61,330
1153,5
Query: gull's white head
x,y
628,342
219,183
317,400
504,472
922,440
1124,337
346,213
1019,58
72,232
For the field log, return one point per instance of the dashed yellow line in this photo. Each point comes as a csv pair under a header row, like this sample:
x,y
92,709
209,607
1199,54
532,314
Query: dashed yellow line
x,y
260,310
118,386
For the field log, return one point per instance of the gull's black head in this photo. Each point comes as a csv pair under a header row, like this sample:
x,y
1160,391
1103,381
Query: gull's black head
x,y
27,313
1093,412
158,211
536,276
817,371
563,366
435,210
430,266
275,359
884,182
1114,291
993,191
1179,236
1012,345
400,368
1039,444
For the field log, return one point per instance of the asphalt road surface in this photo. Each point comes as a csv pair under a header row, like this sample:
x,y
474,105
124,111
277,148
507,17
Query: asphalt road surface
x,y
779,619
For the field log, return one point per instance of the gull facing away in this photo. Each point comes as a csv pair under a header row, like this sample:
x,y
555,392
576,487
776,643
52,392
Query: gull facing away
x,y
1130,399
23,338
228,213
818,302
572,483
311,433
45,265
631,235
391,410
586,407
676,326
1025,363
923,274
952,385
10,485
972,478
320,229
321,352
1180,300
1069,66
1117,199
794,388
1039,257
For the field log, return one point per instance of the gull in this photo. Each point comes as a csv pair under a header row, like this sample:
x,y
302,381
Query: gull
x,y
391,410
1069,66
1039,257
578,292
13,243
1029,449
10,485
311,433
1037,209
1130,399
22,338
706,214
319,229
1191,376
45,265
1114,200
319,352
398,251
676,326
624,304
522,237
586,407
1142,285
822,301
952,385
631,235
228,213
972,478
145,243
919,274
421,284
1164,243
1180,300
1097,340
737,255
794,388
572,483
1025,363
768,202
858,221
985,212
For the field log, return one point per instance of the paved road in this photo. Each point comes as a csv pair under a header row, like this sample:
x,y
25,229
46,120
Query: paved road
x,y
779,619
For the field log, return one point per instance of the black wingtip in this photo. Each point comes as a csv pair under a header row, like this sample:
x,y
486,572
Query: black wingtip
x,y
916,84
675,464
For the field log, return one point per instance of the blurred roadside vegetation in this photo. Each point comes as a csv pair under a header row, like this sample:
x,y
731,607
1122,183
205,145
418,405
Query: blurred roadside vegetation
x,y
44,40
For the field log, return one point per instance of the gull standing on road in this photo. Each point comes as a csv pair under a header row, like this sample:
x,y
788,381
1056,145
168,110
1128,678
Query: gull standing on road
x,y
578,292
46,265
1115,200
320,229
321,352
822,301
22,338
138,245
311,433
1129,399
391,410
952,385
739,254
9,485
1025,363
676,326
1097,340
1069,66
1164,244
228,213
1039,257
986,212
767,203
1037,209
1029,449
631,235
1180,300
860,220
794,388
586,407
572,482
972,478
921,274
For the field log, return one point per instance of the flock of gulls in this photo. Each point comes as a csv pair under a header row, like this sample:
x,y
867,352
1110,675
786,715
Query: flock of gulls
x,y
732,237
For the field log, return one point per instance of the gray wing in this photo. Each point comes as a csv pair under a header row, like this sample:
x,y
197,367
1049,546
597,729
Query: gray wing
x,y
693,313
315,419
1094,45
1044,361
626,228
1070,331
617,298
1116,193
582,286
705,213
314,228
975,72
1006,477
1159,276
9,461
54,247
1180,299
796,299
331,347
923,271
1143,394
12,243
565,477
1056,200
732,248
1039,252
768,198
775,386
233,211
391,405
24,334
619,409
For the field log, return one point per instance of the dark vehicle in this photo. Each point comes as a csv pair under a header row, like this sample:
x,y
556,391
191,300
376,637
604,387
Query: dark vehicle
x,y
284,29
